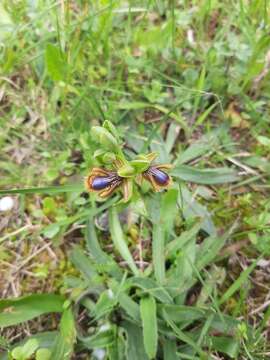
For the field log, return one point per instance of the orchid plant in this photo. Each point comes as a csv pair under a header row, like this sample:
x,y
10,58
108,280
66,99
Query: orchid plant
x,y
121,173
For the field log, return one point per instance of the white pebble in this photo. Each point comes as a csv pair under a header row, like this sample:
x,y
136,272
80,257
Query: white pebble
x,y
6,203
263,263
190,37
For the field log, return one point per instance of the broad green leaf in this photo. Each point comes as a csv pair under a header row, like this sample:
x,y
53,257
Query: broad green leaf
x,y
182,335
93,245
211,246
201,147
224,324
64,343
135,347
117,350
158,250
193,151
130,306
101,339
178,243
193,209
106,262
169,209
55,62
205,176
105,304
83,263
158,146
16,311
226,345
125,301
180,275
182,313
119,240
170,350
152,287
149,323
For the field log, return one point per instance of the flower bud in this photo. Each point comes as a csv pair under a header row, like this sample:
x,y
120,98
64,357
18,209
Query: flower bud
x,y
105,138
108,158
108,125
98,154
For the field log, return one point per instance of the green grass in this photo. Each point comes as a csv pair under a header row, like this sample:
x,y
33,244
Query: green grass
x,y
181,274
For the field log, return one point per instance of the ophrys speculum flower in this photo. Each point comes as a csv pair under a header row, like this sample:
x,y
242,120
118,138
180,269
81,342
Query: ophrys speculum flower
x,y
124,172
103,181
157,177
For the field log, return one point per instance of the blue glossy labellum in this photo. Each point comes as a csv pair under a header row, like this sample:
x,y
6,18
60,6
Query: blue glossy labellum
x,y
101,182
105,182
160,176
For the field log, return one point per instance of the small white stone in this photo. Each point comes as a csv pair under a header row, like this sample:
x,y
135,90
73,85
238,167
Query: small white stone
x,y
190,37
99,354
263,263
6,203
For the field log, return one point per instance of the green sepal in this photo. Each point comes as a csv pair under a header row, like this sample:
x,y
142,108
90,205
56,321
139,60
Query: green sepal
x,y
126,171
128,190
140,165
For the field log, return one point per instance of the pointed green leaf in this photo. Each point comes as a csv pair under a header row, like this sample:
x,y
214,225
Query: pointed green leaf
x,y
119,240
16,311
55,62
149,322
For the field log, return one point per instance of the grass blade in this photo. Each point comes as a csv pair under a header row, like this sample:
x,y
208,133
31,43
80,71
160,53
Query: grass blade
x,y
238,282
46,190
